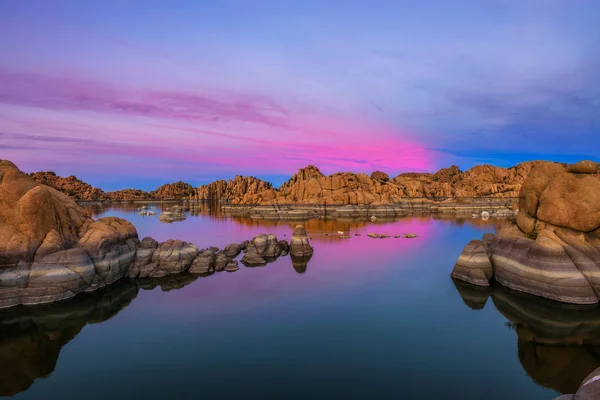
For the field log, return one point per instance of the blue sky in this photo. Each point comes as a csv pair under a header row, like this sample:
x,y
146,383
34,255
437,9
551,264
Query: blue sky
x,y
122,92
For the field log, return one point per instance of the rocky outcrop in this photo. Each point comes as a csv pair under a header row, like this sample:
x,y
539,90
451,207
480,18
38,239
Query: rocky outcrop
x,y
242,189
174,214
71,186
171,191
129,195
299,244
311,187
49,247
51,250
589,389
553,250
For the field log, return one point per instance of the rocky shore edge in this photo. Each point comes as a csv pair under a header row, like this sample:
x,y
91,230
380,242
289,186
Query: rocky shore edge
x,y
552,250
51,250
492,207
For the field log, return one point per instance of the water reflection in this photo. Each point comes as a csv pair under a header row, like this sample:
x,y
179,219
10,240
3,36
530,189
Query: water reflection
x,y
558,344
31,338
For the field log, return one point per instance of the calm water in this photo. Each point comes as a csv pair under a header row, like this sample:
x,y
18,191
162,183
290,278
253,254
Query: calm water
x,y
368,318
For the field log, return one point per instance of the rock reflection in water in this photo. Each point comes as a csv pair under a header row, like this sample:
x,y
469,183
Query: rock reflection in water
x,y
31,338
558,344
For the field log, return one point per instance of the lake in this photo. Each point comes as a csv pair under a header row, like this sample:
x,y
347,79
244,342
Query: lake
x,y
365,318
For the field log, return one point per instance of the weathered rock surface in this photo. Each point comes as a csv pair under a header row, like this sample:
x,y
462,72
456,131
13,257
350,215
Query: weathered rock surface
x,y
71,186
254,254
204,263
49,247
233,250
172,191
299,244
553,251
170,257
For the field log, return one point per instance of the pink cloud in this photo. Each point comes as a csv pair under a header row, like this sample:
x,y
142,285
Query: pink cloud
x,y
75,121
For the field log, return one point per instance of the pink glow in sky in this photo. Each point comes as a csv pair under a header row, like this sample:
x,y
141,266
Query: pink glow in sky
x,y
136,93
67,123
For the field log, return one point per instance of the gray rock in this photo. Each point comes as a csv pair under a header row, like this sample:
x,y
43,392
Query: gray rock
x,y
203,263
299,244
232,250
221,261
170,257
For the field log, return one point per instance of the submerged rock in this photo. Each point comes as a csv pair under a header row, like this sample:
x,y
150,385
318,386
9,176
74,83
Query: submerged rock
x,y
377,235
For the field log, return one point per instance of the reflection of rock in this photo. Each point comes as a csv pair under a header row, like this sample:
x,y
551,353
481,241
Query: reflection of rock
x,y
300,263
31,338
166,283
299,244
553,250
474,296
559,344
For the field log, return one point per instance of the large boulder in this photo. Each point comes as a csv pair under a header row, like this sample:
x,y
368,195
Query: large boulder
x,y
553,251
143,256
170,257
49,247
204,263
474,265
299,244
254,254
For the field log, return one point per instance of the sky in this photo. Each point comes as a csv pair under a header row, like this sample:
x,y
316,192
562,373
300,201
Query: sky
x,y
136,93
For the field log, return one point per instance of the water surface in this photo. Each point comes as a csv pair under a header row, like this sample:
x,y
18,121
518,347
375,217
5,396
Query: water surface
x,y
366,318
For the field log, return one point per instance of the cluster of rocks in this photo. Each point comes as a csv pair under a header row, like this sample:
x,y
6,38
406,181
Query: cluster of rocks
x,y
553,248
156,260
384,236
311,187
50,249
145,210
175,213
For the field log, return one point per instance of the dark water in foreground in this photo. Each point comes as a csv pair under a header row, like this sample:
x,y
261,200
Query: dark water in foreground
x,y
368,318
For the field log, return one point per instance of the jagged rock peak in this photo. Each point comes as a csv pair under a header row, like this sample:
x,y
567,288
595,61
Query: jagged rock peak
x,y
309,172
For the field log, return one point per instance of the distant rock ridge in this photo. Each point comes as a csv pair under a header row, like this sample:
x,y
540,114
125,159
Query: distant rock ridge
x,y
71,186
173,191
553,248
309,186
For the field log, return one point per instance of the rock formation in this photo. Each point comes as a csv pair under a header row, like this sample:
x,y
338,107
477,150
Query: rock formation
x,y
51,250
128,195
176,213
170,191
299,245
553,250
71,186
310,186
244,188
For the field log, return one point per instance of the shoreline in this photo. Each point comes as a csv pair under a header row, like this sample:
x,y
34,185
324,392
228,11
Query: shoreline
x,y
496,207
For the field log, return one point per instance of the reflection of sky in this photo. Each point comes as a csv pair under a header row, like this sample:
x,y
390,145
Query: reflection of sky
x,y
137,93
369,318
